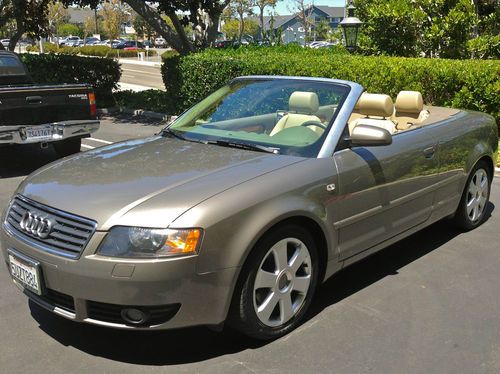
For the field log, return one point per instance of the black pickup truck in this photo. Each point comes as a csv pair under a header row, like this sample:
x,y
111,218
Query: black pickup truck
x,y
58,114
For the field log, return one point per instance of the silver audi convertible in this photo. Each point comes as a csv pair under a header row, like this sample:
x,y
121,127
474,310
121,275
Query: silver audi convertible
x,y
238,209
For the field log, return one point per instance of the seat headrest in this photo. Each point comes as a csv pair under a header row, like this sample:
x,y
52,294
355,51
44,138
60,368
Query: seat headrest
x,y
303,102
409,102
375,105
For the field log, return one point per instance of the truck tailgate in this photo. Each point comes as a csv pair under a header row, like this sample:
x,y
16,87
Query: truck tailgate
x,y
37,105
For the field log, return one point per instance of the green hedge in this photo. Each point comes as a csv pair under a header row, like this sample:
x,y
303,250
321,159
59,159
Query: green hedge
x,y
102,73
153,100
90,50
468,84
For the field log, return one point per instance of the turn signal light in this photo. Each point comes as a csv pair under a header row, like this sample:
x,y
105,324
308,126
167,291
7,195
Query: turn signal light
x,y
93,104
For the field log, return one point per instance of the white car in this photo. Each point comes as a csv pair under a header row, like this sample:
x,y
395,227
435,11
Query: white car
x,y
160,42
5,42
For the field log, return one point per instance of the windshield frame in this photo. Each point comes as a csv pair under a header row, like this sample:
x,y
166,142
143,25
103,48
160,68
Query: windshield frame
x,y
317,149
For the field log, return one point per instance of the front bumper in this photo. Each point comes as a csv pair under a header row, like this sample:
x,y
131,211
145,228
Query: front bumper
x,y
60,131
75,288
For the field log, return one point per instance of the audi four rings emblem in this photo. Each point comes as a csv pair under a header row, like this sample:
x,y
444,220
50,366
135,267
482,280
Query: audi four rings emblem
x,y
33,224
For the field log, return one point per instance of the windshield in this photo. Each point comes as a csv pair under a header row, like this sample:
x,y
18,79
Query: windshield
x,y
10,65
289,116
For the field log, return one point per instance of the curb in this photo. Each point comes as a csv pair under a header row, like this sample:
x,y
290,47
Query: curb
x,y
138,62
138,112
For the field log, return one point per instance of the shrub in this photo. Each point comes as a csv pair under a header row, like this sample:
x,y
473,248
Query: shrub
x,y
153,100
89,50
468,84
102,73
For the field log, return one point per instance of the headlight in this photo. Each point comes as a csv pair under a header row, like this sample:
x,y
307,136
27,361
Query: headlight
x,y
150,243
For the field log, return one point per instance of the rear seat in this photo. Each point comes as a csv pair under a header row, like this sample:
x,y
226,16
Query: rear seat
x,y
373,110
409,110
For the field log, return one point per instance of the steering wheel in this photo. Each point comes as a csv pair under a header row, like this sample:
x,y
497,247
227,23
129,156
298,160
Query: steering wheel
x,y
314,123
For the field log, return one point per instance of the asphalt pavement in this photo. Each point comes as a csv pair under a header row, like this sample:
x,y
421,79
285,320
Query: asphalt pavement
x,y
140,77
428,304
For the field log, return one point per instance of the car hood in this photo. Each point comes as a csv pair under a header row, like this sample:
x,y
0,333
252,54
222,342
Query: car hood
x,y
147,182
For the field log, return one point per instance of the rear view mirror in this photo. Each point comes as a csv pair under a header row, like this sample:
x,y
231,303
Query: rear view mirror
x,y
369,136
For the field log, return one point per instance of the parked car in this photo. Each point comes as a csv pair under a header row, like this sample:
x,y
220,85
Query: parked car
x,y
5,43
129,45
70,41
241,207
160,43
30,113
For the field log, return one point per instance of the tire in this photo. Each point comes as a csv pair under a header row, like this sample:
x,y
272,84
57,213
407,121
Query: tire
x,y
68,147
472,208
274,292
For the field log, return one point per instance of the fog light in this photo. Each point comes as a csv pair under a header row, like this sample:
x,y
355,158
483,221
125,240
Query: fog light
x,y
134,316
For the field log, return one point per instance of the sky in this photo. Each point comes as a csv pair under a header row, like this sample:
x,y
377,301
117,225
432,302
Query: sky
x,y
283,6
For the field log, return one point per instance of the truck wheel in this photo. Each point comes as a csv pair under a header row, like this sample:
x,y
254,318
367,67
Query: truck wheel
x,y
276,285
68,147
472,208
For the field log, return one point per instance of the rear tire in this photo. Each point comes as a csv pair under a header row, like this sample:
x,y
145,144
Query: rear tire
x,y
276,284
68,147
471,211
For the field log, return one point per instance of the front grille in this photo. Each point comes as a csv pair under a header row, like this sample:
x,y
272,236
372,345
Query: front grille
x,y
68,235
157,314
55,299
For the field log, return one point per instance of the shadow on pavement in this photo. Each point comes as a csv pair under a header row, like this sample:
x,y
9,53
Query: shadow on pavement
x,y
20,160
198,344
124,118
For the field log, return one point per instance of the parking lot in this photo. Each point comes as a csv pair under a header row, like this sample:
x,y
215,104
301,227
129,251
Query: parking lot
x,y
428,304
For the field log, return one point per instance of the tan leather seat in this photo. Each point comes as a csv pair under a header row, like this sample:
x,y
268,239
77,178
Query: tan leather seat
x,y
376,109
409,109
302,106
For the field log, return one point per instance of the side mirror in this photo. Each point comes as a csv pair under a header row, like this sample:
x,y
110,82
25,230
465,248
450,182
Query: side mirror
x,y
370,136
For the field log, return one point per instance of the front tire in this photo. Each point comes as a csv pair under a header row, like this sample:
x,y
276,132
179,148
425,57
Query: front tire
x,y
276,285
68,147
471,211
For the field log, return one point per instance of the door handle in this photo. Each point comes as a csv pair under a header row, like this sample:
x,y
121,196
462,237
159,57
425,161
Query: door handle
x,y
429,152
34,99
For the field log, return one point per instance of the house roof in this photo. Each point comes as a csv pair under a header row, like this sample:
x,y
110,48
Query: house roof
x,y
332,11
279,21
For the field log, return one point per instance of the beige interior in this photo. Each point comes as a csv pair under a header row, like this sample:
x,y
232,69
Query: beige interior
x,y
409,110
374,110
302,106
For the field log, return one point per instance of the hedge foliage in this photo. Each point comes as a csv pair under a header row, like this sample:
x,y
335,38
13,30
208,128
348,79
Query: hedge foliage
x,y
102,73
468,84
90,50
153,100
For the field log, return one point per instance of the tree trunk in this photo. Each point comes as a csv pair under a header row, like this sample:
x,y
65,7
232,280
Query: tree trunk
x,y
15,38
261,20
241,28
152,17
181,33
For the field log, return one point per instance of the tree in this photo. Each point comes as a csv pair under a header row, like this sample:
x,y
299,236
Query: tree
x,y
142,28
262,5
433,28
56,15
68,29
202,15
232,28
114,14
88,27
241,9
323,30
302,8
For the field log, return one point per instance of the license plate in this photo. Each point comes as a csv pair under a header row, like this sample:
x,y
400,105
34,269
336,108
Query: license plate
x,y
37,133
26,273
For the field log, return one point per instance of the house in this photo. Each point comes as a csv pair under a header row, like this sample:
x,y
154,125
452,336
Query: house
x,y
292,28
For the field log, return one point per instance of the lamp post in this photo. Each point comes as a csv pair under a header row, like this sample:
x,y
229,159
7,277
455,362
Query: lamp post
x,y
350,27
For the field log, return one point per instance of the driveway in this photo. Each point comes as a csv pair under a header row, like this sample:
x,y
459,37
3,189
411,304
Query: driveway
x,y
428,304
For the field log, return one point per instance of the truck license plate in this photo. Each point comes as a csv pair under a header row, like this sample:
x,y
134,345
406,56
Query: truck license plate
x,y
38,133
25,273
